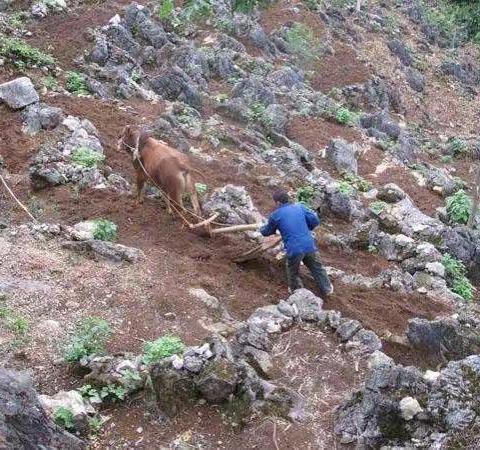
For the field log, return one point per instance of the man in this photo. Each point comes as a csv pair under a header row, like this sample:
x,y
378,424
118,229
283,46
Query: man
x,y
295,223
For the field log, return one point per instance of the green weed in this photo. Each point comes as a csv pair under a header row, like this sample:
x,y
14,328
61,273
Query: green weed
x,y
357,181
95,424
346,117
459,206
50,82
246,6
22,54
378,207
105,230
163,347
86,157
456,277
305,196
201,188
76,84
113,392
345,188
90,338
457,146
302,42
63,417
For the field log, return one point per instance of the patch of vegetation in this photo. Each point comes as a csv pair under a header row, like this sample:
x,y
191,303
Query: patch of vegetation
x,y
456,276
95,424
201,188
346,117
302,42
378,207
22,54
105,230
113,392
305,196
86,157
221,98
457,146
345,188
63,417
163,347
17,19
136,76
312,5
50,82
459,206
387,144
356,181
90,393
246,6
90,338
16,323
191,11
256,112
458,20
76,84
372,249
166,10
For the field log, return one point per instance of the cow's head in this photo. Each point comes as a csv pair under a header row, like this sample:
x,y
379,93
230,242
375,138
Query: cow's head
x,y
128,140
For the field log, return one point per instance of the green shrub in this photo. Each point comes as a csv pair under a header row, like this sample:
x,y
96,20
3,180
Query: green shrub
x,y
456,277
378,207
90,338
105,230
166,9
346,117
19,325
457,146
76,84
246,6
63,417
95,424
22,54
113,392
90,393
345,188
459,206
357,181
201,188
86,157
256,111
302,42
50,82
163,347
305,196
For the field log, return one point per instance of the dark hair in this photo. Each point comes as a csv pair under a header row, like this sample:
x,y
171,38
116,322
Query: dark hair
x,y
281,196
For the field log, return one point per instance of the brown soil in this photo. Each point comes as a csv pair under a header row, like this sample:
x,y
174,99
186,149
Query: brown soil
x,y
425,199
339,70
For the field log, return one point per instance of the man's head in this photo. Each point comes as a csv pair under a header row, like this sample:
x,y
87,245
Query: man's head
x,y
280,197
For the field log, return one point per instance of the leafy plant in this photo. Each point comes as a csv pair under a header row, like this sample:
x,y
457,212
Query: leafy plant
x,y
136,76
459,206
457,146
95,424
346,117
63,417
16,20
86,157
372,249
76,84
301,41
163,347
166,9
305,195
221,98
345,188
50,82
246,6
456,276
90,338
113,392
256,111
23,54
357,181
90,393
105,230
312,5
201,188
378,207
19,325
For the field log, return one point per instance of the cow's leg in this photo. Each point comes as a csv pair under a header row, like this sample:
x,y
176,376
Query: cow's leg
x,y
140,187
193,194
169,206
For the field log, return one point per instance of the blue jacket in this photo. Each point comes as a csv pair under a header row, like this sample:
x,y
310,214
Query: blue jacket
x,y
295,223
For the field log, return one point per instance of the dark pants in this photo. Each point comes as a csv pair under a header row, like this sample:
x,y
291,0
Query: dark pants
x,y
316,269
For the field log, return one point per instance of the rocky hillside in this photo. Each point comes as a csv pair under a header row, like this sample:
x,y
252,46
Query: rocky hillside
x,y
119,327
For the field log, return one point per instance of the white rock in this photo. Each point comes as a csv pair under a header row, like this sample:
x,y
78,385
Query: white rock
x,y
409,407
431,376
378,359
18,93
83,231
71,400
115,20
177,362
435,268
205,297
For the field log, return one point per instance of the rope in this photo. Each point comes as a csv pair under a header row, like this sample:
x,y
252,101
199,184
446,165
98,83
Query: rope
x,y
16,199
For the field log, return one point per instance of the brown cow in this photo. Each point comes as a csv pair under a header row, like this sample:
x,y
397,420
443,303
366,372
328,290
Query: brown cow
x,y
167,167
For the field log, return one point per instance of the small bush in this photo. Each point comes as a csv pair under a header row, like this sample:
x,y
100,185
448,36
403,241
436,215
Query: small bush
x,y
357,181
90,393
166,10
458,146
95,424
63,417
163,347
345,188
378,207
113,392
256,111
246,6
346,117
105,230
459,206
305,196
201,188
86,157
50,82
302,42
456,276
19,325
22,54
76,84
90,338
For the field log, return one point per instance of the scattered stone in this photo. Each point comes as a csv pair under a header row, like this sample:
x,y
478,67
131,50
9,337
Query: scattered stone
x,y
218,381
107,250
348,329
415,79
260,360
308,305
18,93
390,193
205,297
398,48
342,156
409,407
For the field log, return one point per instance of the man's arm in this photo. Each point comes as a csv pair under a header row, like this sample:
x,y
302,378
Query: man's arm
x,y
270,228
311,218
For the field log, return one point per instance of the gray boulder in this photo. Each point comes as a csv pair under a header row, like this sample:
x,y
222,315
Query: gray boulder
x,y
342,156
24,424
399,49
390,193
308,305
348,328
218,381
18,93
37,117
415,79
107,250
381,122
